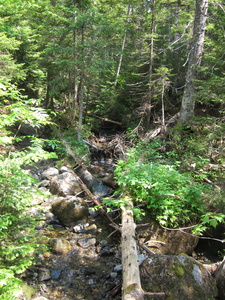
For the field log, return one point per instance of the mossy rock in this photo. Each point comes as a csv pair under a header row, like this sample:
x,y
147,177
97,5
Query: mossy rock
x,y
179,277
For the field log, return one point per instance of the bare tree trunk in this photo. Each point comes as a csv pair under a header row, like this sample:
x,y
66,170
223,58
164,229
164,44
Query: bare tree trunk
x,y
151,58
195,56
131,276
81,96
75,92
121,55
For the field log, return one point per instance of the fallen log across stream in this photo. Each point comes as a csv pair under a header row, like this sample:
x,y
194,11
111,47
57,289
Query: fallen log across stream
x,y
131,287
131,275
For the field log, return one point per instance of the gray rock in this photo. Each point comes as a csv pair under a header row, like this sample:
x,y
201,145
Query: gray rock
x,y
118,268
99,189
113,274
44,274
28,129
179,277
70,211
79,228
55,274
40,298
64,169
60,246
47,174
44,183
65,184
220,280
86,243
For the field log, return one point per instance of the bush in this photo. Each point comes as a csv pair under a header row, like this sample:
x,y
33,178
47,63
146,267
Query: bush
x,y
18,244
173,198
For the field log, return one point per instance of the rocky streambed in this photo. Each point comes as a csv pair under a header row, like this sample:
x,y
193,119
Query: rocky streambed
x,y
84,257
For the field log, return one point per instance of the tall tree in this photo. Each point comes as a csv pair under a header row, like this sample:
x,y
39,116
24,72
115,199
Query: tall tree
x,y
194,60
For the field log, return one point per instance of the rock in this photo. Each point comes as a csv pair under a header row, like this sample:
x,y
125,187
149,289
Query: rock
x,y
113,274
100,190
118,268
179,277
86,243
79,228
44,183
86,177
220,280
70,210
28,129
47,174
39,298
168,242
44,274
55,274
65,184
60,246
64,169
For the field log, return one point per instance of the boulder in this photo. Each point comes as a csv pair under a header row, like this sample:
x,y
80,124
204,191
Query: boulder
x,y
28,129
164,241
65,184
179,277
220,280
98,188
70,210
47,174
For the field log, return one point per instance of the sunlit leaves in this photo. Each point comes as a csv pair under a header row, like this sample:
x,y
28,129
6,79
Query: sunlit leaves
x,y
172,197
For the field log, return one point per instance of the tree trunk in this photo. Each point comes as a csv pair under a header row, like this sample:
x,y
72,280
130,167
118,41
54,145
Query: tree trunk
x,y
122,49
75,92
151,58
48,103
81,96
131,276
195,56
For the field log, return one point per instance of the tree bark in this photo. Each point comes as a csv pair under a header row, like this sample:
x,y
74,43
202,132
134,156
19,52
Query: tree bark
x,y
150,72
122,49
81,98
195,56
131,276
75,92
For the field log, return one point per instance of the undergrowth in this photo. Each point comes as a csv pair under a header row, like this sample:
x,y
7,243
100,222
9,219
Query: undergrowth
x,y
174,176
18,244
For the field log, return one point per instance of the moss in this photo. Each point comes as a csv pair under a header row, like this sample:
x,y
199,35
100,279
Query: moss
x,y
179,270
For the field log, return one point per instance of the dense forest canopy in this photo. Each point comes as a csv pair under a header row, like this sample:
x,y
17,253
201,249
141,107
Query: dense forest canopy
x,y
75,65
114,57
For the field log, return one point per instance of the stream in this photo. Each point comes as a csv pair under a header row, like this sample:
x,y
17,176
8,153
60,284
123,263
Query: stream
x,y
83,261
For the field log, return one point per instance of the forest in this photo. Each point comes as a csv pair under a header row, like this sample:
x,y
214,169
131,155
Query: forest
x,y
148,73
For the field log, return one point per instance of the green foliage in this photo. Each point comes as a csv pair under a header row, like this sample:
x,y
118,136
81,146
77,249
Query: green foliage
x,y
17,188
9,285
209,219
80,149
172,197
121,203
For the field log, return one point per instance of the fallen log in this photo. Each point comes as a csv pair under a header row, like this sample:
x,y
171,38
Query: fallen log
x,y
131,288
105,119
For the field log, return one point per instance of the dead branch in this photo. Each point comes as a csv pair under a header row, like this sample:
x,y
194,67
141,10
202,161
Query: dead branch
x,y
105,119
153,133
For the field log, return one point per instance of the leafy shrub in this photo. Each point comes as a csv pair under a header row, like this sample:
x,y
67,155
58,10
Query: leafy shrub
x,y
172,197
18,244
